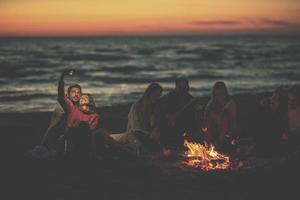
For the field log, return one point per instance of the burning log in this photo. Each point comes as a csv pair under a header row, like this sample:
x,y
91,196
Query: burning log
x,y
205,157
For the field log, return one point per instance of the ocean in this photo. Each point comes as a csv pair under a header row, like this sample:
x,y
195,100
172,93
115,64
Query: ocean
x,y
116,70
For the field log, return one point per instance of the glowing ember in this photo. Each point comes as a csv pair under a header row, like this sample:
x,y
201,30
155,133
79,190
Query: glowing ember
x,y
205,157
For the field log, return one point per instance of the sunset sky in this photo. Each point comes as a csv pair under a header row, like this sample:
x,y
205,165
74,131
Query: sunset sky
x,y
138,17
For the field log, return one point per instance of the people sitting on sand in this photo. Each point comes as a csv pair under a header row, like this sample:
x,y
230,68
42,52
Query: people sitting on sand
x,y
51,144
272,123
142,131
292,135
220,116
85,111
76,115
176,117
58,120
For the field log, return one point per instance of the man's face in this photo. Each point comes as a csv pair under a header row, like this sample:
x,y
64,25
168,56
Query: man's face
x,y
182,87
75,94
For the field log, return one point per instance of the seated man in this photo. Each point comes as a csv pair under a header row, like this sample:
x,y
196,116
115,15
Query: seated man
x,y
271,122
176,118
58,119
76,115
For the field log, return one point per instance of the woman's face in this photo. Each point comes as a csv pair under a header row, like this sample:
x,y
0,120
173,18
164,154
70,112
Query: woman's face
x,y
84,100
220,96
154,97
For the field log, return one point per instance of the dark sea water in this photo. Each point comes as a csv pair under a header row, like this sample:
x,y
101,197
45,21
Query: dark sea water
x,y
116,70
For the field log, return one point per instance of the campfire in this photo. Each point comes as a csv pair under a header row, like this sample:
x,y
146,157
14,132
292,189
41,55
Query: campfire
x,y
204,157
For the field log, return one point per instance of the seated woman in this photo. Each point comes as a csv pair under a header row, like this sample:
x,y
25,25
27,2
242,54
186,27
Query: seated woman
x,y
141,130
272,122
83,113
292,135
220,116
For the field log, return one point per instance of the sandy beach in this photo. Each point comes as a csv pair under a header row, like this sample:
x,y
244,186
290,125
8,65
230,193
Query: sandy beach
x,y
137,179
122,52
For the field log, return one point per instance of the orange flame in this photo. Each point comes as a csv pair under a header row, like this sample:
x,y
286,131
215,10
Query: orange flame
x,y
205,157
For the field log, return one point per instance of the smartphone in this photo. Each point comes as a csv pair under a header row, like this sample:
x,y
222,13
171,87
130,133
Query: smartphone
x,y
71,72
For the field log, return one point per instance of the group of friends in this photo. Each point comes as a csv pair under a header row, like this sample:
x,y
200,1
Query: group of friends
x,y
159,124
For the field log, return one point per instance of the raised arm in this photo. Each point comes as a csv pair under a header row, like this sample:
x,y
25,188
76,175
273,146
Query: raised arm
x,y
61,91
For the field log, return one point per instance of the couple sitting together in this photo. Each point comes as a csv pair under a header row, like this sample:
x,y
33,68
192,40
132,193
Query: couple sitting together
x,y
156,123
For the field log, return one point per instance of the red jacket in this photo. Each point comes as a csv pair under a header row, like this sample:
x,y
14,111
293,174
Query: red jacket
x,y
75,115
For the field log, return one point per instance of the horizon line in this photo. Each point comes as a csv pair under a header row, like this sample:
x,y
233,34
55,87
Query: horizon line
x,y
151,35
